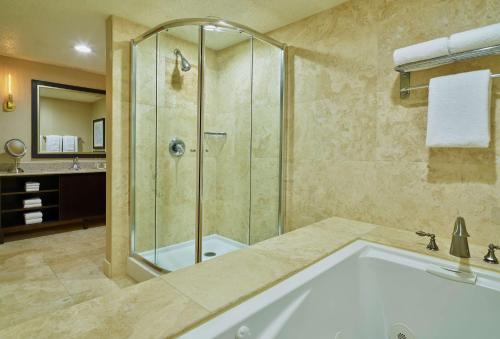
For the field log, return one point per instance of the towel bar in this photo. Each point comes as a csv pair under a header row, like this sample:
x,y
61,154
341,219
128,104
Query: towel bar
x,y
412,88
404,70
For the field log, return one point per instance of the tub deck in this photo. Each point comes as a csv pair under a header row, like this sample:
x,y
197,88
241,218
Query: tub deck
x,y
177,302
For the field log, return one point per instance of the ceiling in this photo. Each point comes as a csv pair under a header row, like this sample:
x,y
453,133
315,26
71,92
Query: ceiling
x,y
46,31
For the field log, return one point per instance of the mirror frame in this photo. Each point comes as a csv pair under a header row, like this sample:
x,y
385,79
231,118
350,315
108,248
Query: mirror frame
x,y
34,120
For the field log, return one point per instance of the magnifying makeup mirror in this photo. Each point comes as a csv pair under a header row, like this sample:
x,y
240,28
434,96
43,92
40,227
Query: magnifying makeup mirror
x,y
16,149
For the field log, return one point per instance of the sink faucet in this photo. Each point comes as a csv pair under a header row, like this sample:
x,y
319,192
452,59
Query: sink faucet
x,y
76,164
459,244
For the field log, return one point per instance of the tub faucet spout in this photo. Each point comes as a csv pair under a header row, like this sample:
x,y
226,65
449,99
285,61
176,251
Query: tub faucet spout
x,y
459,244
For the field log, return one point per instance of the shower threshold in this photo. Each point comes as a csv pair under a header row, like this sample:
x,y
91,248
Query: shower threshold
x,y
177,256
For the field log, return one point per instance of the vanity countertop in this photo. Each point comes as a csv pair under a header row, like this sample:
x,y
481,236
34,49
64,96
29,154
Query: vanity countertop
x,y
176,302
49,172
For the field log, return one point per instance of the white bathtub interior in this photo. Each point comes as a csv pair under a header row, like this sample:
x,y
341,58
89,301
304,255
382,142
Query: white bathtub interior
x,y
181,255
368,291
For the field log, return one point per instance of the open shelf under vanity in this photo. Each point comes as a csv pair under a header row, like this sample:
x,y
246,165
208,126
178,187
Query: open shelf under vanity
x,y
67,199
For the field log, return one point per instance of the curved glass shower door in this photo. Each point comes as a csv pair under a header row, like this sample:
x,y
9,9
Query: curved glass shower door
x,y
206,146
176,139
166,148
227,136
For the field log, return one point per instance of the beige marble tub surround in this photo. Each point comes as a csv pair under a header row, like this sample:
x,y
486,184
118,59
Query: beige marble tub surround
x,y
225,281
406,240
176,302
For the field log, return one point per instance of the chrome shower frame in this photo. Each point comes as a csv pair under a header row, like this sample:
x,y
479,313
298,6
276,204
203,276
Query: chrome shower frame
x,y
222,24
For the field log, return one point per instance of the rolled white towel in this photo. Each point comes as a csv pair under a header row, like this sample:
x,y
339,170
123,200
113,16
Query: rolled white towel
x,y
34,221
422,51
33,215
475,38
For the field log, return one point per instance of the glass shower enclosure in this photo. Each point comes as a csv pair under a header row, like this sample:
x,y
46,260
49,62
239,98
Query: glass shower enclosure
x,y
207,141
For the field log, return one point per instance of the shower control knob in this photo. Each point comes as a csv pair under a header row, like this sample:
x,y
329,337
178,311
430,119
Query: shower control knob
x,y
176,147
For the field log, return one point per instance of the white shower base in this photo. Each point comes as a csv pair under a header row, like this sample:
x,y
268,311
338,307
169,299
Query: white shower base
x,y
180,255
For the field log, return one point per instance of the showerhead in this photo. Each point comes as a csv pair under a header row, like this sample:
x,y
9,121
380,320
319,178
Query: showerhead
x,y
185,65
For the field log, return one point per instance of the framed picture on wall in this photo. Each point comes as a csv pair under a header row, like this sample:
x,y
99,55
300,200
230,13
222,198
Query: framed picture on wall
x,y
99,134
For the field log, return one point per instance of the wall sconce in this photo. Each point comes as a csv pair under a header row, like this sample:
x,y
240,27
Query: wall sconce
x,y
8,104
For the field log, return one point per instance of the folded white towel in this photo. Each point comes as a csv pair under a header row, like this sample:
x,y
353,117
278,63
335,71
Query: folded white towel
x,y
32,205
32,201
475,38
33,221
32,183
34,189
459,110
53,143
31,186
70,143
422,51
33,215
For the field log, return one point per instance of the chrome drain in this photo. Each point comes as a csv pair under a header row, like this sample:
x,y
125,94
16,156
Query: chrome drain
x,y
209,254
401,331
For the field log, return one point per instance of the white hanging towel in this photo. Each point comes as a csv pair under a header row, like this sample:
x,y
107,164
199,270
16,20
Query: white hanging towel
x,y
70,143
53,143
459,110
422,51
475,38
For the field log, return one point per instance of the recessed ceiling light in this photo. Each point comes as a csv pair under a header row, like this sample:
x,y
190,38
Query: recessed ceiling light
x,y
82,48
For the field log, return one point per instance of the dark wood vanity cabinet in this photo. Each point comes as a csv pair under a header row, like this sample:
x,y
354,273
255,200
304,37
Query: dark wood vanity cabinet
x,y
82,195
66,199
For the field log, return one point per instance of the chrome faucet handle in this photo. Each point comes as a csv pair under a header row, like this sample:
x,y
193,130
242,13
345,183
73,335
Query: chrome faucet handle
x,y
432,242
490,257
76,164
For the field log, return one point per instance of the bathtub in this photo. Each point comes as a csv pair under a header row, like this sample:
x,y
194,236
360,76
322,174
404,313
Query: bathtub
x,y
368,291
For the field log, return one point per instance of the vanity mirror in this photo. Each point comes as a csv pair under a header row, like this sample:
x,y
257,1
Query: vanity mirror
x,y
64,121
16,149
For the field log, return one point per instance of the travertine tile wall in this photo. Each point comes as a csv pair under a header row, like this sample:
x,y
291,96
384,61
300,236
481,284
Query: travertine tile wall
x,y
233,94
356,150
248,95
118,34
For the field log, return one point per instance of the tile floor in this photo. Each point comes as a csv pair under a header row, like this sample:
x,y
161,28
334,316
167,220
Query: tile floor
x,y
43,274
